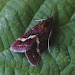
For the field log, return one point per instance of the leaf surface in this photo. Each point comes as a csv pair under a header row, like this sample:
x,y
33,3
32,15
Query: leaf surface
x,y
18,16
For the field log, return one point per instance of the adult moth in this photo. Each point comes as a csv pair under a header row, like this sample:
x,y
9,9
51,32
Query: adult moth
x,y
35,41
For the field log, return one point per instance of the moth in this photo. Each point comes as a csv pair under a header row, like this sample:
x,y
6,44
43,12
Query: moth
x,y
35,41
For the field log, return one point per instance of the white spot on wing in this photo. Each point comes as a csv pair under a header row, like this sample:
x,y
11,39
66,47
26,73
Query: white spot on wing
x,y
38,42
24,39
38,50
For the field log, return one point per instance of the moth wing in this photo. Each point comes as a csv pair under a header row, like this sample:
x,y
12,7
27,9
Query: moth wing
x,y
22,45
33,55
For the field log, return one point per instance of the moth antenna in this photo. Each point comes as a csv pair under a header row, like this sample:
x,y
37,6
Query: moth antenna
x,y
49,41
40,20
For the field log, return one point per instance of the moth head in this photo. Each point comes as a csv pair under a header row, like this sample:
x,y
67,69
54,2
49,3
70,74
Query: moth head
x,y
46,23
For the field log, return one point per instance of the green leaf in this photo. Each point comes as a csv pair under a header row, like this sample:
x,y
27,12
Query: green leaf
x,y
18,16
2,3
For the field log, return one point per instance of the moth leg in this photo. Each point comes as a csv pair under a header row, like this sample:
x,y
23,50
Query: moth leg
x,y
49,41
